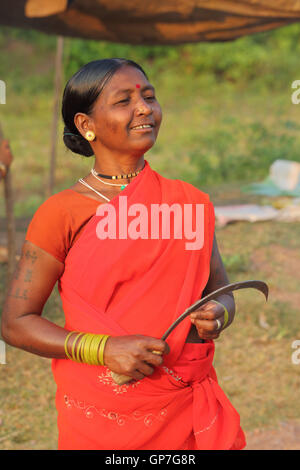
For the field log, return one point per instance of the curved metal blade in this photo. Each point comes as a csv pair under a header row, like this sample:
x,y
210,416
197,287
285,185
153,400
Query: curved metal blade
x,y
259,285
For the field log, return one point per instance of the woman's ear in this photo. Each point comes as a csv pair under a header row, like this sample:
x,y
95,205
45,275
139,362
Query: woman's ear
x,y
84,123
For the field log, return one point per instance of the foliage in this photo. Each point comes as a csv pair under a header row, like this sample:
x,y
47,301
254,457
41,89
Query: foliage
x,y
234,99
261,55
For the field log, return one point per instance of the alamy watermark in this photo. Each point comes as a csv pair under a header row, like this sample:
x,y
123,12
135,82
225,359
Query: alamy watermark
x,y
295,95
2,92
296,354
138,227
2,352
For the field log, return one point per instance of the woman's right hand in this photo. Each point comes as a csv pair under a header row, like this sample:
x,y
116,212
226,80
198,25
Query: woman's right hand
x,y
132,355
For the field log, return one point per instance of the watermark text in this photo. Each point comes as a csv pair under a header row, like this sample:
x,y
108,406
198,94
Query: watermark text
x,y
2,352
2,92
188,222
296,354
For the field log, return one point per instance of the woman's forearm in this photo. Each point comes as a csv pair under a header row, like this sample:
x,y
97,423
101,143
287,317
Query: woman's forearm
x,y
125,355
37,335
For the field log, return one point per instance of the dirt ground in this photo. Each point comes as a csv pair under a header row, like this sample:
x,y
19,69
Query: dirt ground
x,y
285,437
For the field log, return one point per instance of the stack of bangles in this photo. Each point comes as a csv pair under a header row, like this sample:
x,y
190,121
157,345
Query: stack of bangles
x,y
87,348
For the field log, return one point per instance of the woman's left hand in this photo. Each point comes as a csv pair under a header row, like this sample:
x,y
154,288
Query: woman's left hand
x,y
209,320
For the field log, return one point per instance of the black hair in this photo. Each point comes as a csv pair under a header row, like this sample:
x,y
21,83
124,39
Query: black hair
x,y
80,94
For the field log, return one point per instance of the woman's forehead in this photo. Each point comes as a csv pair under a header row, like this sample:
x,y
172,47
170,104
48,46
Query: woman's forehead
x,y
127,78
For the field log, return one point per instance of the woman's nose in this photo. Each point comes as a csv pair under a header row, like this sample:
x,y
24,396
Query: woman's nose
x,y
143,107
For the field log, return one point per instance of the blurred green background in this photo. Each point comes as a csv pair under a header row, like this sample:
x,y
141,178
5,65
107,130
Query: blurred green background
x,y
227,115
234,99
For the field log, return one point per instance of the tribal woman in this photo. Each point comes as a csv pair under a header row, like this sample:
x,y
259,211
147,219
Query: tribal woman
x,y
123,281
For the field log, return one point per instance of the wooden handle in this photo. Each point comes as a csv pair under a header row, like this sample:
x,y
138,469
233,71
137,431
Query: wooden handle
x,y
120,379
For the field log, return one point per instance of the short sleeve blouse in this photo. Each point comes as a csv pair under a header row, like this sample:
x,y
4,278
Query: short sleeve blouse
x,y
59,222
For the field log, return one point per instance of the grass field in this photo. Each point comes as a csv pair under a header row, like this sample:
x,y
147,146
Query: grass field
x,y
216,135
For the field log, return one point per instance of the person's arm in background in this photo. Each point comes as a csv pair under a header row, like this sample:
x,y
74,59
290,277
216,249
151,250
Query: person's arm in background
x,y
205,318
6,157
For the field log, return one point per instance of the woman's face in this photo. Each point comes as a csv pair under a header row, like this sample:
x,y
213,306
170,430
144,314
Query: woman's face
x,y
127,101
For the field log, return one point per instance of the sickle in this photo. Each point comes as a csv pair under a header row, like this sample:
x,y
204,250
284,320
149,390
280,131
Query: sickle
x,y
259,285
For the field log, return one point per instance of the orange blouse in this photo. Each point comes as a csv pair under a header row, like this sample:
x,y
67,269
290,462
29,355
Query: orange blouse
x,y
59,222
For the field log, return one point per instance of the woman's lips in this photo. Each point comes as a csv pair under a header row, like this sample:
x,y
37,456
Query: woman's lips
x,y
144,129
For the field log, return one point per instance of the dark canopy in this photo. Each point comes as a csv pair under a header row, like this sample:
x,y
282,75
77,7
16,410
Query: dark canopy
x,y
150,22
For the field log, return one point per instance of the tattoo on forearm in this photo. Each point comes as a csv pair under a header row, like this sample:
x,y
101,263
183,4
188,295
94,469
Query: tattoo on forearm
x,y
17,294
31,254
28,275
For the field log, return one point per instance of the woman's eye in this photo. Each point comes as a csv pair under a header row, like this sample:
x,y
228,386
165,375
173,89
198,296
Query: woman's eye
x,y
146,98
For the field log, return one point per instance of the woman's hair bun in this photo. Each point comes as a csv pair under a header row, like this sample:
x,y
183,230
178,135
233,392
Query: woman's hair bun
x,y
76,143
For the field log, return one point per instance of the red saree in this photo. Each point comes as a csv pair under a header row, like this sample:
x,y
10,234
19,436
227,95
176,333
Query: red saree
x,y
140,286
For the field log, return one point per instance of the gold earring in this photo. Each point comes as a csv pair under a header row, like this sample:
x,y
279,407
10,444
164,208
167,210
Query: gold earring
x,y
90,136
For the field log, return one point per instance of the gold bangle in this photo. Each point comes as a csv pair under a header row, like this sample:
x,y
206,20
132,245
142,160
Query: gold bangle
x,y
80,350
94,349
74,346
101,350
226,314
87,348
66,343
226,317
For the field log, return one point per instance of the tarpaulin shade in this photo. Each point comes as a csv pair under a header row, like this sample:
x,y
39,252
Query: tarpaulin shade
x,y
150,22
